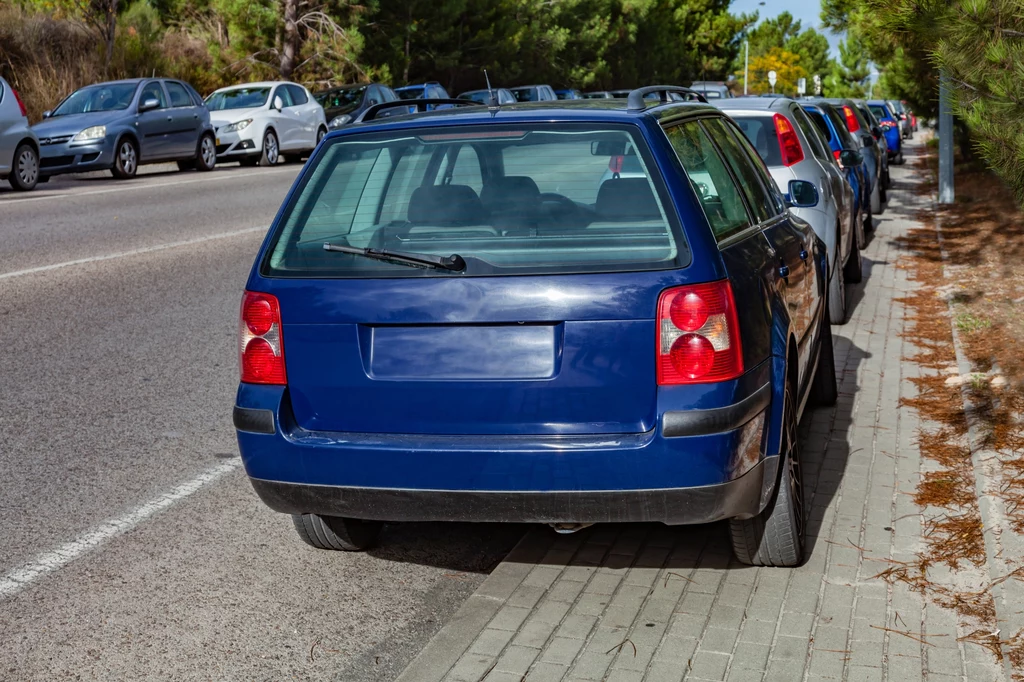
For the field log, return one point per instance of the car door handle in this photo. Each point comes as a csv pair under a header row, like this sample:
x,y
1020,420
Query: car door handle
x,y
170,118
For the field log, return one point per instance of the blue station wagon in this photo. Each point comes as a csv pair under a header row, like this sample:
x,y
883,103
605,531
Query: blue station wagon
x,y
475,315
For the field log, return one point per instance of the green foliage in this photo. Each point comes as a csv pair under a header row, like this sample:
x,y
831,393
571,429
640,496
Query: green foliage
x,y
850,72
783,34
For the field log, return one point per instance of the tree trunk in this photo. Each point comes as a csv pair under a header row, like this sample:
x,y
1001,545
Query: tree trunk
x,y
109,33
290,46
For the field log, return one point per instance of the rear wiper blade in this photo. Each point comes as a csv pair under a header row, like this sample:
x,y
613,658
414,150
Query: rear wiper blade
x,y
454,262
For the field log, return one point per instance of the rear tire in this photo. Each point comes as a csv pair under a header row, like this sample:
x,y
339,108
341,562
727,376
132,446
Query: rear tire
x,y
853,270
837,294
775,537
825,389
25,169
336,532
876,196
869,220
899,158
206,154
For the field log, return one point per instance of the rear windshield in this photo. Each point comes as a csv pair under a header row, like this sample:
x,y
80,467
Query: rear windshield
x,y
760,130
879,111
413,93
523,199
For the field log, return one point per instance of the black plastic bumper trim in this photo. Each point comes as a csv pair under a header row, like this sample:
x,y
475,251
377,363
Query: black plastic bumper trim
x,y
717,420
740,497
253,421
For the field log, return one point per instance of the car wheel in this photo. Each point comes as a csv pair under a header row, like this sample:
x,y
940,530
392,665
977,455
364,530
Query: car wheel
x,y
206,154
853,270
25,171
271,151
837,293
825,389
869,219
126,160
320,134
899,158
775,537
876,196
336,532
883,195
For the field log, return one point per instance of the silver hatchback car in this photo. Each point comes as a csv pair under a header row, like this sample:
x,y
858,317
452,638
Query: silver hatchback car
x,y
793,149
19,148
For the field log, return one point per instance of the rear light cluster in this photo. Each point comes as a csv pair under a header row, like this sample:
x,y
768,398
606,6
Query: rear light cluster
x,y
260,347
887,124
789,143
21,104
852,124
698,335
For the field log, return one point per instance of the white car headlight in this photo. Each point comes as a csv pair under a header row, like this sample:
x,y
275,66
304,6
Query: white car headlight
x,y
89,134
236,126
339,121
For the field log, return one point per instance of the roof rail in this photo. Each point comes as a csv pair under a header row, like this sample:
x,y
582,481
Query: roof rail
x,y
421,105
636,102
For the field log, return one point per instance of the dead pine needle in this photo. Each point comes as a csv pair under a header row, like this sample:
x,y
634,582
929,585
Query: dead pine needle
x,y
905,634
623,643
677,575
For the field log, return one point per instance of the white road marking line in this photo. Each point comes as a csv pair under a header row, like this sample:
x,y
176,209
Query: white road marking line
x,y
133,252
224,176
60,557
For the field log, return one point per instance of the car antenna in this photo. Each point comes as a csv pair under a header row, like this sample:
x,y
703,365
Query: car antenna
x,y
492,97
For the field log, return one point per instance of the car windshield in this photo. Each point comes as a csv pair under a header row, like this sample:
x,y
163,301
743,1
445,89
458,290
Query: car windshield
x,y
237,98
509,199
103,97
413,93
760,130
343,100
481,96
523,94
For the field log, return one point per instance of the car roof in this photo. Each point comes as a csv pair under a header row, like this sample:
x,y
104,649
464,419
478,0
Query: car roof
x,y
523,87
347,86
751,103
558,111
256,84
127,81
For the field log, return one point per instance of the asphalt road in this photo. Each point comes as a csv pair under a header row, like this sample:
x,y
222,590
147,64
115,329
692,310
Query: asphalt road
x,y
131,545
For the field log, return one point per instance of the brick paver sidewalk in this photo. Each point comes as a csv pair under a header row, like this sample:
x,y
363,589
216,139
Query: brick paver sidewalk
x,y
647,602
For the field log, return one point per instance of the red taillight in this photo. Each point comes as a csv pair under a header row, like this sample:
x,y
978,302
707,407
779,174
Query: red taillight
x,y
261,347
21,104
698,335
852,124
789,143
836,153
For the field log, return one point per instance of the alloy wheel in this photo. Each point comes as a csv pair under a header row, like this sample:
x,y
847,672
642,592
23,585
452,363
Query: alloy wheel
x,y
127,157
270,147
796,481
208,152
28,168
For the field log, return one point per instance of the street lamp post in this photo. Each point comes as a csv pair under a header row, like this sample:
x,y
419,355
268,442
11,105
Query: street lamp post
x,y
945,141
746,65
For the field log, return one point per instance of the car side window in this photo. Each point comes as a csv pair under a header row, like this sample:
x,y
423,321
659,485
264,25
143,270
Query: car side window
x,y
286,97
819,120
373,95
740,157
388,94
811,134
152,90
298,94
178,94
714,186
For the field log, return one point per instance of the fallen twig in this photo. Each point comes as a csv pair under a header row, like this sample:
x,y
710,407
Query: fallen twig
x,y
622,644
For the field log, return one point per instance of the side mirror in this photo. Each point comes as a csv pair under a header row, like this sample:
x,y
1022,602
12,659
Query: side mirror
x,y
802,194
47,113
148,105
278,103
850,159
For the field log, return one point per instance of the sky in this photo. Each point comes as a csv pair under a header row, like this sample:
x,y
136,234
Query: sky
x,y
807,11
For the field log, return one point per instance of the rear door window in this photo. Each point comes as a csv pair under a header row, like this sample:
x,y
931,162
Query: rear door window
x,y
522,199
745,168
298,94
715,187
178,94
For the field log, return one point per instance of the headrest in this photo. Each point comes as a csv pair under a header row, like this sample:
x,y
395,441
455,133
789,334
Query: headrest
x,y
627,199
509,192
445,205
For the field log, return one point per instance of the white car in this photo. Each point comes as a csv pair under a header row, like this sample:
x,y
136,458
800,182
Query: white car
x,y
257,123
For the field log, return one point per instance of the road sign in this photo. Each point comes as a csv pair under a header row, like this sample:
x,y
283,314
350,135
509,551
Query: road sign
x,y
772,78
801,86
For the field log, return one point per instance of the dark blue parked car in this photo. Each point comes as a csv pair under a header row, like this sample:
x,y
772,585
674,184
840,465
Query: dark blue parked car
x,y
462,315
890,124
846,150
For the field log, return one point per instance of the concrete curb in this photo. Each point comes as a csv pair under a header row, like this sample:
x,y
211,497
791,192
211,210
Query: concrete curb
x,y
446,647
1000,539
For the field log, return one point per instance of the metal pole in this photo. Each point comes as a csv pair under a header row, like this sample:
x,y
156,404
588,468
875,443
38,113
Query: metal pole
x,y
945,142
746,66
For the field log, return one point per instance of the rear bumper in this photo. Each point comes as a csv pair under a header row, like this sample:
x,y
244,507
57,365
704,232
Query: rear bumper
x,y
712,461
741,497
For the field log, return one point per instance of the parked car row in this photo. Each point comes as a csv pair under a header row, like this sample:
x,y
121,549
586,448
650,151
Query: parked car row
x,y
565,313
